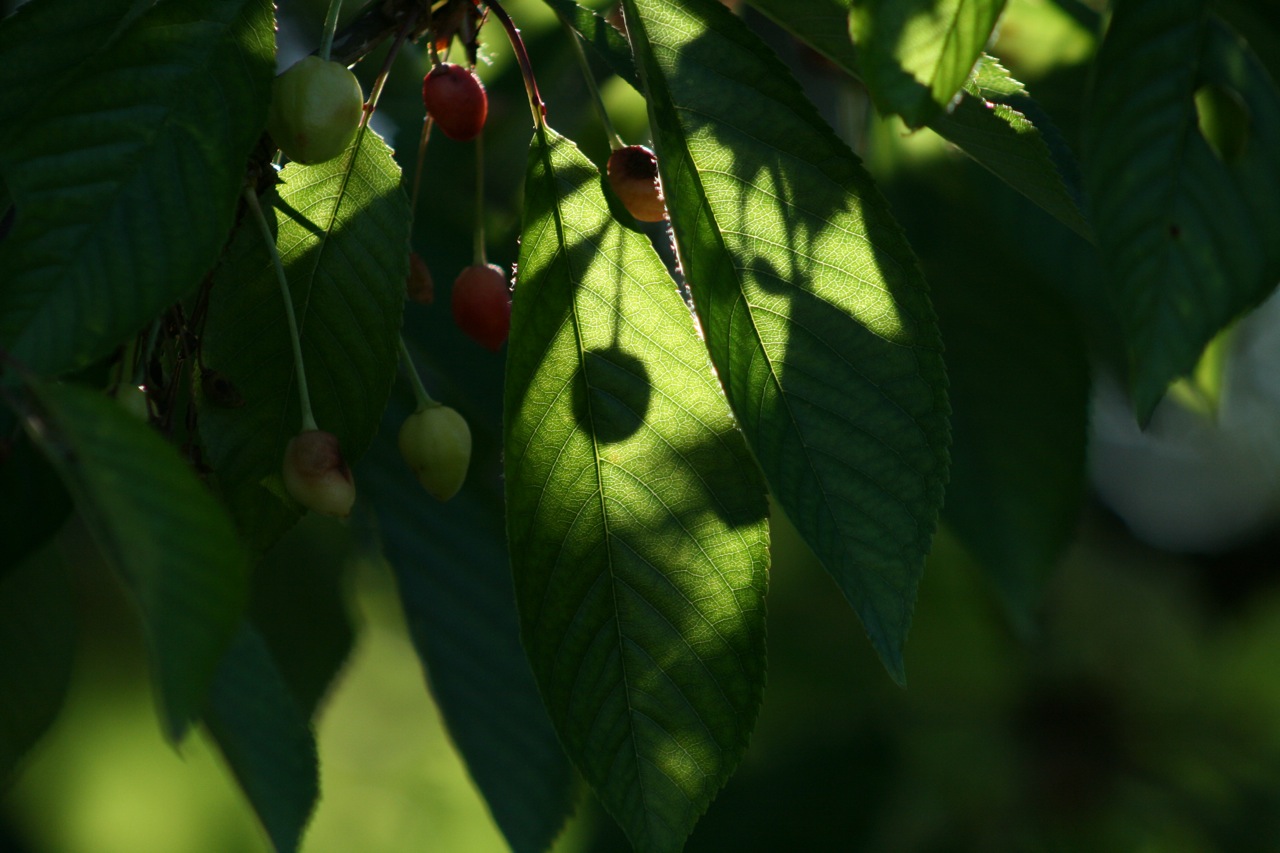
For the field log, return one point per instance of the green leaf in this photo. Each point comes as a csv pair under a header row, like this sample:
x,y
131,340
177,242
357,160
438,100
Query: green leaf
x,y
157,525
454,574
126,178
989,122
636,519
32,74
299,607
916,54
29,522
987,125
1187,238
609,44
345,246
815,312
37,648
265,737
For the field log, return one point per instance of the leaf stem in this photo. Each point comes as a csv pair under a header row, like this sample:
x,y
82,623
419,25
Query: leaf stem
x,y
330,26
375,93
615,141
419,390
536,104
304,395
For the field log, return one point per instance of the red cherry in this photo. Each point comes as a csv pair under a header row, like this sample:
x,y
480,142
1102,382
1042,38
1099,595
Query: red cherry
x,y
455,99
419,284
633,174
482,305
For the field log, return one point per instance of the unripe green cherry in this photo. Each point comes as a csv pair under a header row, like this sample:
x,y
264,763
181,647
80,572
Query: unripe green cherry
x,y
436,445
316,475
315,110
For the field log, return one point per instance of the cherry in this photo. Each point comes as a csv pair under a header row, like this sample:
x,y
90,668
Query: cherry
x,y
315,110
436,444
316,475
456,100
419,285
633,174
482,305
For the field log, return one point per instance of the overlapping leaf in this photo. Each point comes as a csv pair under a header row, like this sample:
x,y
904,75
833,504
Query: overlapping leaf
x,y
37,646
609,44
454,573
988,121
171,542
635,515
817,317
265,737
916,54
125,178
343,230
1187,234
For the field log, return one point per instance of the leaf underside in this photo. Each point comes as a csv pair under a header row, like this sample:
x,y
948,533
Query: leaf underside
x,y
636,521
815,313
1186,232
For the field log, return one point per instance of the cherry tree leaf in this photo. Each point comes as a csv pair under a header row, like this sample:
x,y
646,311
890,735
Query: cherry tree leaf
x,y
815,312
636,518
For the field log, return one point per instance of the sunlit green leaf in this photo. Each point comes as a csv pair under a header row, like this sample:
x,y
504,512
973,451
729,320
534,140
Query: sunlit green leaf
x,y
454,573
916,54
159,527
265,737
635,515
816,314
989,121
343,230
1188,238
37,646
125,179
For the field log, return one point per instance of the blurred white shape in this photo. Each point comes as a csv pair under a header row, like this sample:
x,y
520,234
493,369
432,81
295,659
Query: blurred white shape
x,y
1193,482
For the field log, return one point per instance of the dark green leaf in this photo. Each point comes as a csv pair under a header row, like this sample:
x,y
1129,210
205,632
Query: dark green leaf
x,y
39,506
601,36
1020,393
32,74
299,607
159,527
454,574
1188,239
815,312
265,737
346,255
125,181
37,647
987,125
636,518
916,54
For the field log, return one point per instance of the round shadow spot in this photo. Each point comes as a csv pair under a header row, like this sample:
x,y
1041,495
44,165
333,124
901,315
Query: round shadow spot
x,y
611,394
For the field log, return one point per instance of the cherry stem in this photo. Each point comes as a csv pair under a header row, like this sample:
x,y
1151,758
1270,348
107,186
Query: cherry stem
x,y
419,390
304,395
375,93
478,248
536,104
615,141
330,26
